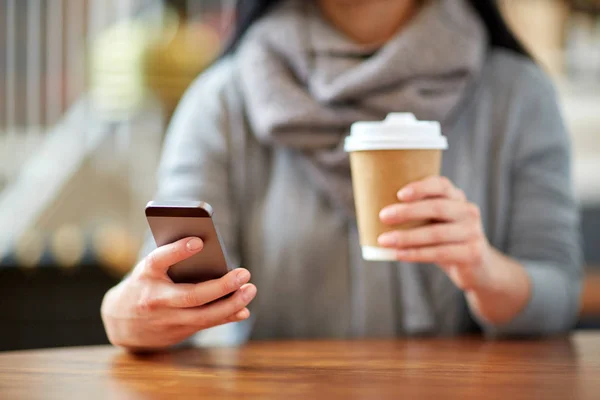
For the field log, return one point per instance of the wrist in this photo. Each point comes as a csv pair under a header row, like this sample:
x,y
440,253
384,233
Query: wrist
x,y
504,290
492,280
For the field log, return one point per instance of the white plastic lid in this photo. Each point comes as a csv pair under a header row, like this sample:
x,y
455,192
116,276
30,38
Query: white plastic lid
x,y
397,132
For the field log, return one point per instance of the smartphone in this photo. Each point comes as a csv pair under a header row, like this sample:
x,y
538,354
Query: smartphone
x,y
175,220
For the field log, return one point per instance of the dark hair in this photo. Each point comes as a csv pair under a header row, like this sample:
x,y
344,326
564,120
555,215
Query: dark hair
x,y
249,11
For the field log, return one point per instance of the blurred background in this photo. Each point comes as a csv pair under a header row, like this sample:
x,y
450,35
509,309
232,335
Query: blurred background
x,y
87,88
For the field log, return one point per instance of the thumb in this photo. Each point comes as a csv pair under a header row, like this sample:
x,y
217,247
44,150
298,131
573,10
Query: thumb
x,y
157,263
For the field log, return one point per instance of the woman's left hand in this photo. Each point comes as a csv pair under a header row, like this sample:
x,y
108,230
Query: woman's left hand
x,y
454,240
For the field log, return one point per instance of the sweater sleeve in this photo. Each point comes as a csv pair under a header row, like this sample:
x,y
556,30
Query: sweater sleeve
x,y
543,234
195,166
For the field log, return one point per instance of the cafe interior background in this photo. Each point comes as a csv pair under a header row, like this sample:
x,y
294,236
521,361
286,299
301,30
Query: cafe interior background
x,y
87,88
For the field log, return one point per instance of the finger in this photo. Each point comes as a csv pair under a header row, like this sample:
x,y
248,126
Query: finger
x,y
459,195
434,186
158,262
219,311
189,296
430,235
241,315
191,322
436,209
450,254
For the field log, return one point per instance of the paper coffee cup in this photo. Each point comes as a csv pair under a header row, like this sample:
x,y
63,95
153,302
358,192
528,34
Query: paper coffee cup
x,y
385,156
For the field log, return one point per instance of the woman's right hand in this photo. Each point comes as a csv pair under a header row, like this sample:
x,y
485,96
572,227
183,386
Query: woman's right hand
x,y
147,311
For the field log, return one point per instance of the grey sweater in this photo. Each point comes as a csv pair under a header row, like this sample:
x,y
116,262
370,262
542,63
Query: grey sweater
x,y
508,151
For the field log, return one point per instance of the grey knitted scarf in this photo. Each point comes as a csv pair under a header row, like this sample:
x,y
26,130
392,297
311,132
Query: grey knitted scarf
x,y
304,83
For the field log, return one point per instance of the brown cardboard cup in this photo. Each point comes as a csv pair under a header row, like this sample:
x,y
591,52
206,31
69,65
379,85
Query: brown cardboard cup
x,y
385,156
377,176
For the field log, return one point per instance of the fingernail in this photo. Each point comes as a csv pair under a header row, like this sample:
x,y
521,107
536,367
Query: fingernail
x,y
387,240
405,194
243,276
387,213
249,292
194,244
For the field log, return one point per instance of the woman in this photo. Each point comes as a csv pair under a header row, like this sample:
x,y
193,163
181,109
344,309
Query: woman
x,y
259,137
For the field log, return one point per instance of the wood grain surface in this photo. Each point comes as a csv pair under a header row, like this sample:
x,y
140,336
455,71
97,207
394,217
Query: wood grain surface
x,y
469,368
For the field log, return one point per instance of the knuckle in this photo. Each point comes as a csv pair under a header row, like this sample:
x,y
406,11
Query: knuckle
x,y
151,261
474,211
174,251
147,303
190,299
439,209
227,284
447,185
401,239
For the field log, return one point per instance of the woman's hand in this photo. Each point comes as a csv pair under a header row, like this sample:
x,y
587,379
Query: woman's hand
x,y
454,240
148,311
497,287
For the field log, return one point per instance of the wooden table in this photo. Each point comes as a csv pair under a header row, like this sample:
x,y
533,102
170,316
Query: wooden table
x,y
396,369
590,295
